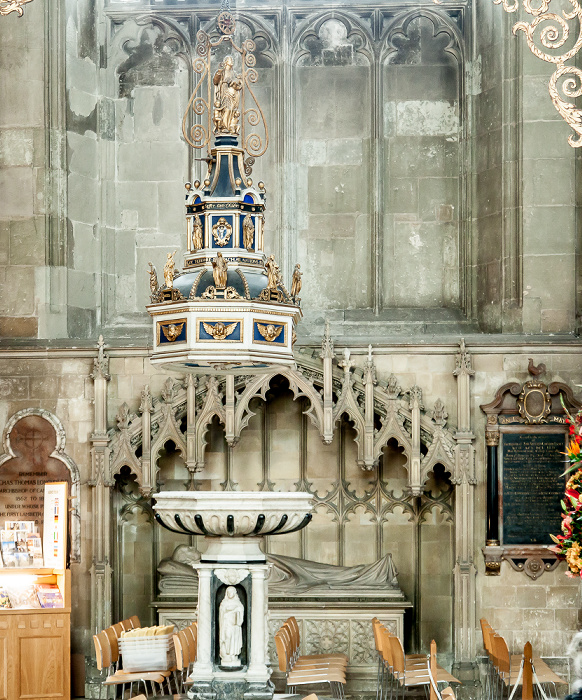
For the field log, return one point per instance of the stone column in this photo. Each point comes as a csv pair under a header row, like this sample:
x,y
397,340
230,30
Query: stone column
x,y
203,666
464,573
258,671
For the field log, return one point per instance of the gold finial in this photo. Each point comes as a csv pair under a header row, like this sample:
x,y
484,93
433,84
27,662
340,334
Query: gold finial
x,y
223,101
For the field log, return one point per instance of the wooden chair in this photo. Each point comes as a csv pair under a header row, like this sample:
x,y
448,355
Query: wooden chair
x,y
306,674
135,623
106,662
293,627
311,660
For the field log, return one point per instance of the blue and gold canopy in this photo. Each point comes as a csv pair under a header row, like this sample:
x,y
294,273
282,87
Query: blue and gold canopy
x,y
228,309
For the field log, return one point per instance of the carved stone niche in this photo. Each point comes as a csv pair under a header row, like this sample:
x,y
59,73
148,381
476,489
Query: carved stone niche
x,y
526,434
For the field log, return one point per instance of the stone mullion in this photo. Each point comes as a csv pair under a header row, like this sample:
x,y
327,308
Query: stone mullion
x,y
464,572
377,188
512,205
100,482
287,124
303,468
341,498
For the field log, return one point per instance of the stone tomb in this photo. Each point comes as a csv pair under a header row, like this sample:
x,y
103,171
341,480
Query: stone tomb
x,y
333,605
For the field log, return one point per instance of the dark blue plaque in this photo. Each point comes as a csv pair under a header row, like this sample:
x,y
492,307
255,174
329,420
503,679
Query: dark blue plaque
x,y
533,487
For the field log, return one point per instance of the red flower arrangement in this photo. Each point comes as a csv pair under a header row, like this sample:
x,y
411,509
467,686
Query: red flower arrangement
x,y
568,545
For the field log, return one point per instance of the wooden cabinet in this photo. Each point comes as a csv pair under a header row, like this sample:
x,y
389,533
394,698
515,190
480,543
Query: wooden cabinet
x,y
35,645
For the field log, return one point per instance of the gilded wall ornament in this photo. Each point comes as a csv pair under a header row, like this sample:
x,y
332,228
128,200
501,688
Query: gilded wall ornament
x,y
553,34
222,231
8,6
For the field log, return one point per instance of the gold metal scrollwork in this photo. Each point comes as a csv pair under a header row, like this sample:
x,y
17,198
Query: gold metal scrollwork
x,y
202,108
565,85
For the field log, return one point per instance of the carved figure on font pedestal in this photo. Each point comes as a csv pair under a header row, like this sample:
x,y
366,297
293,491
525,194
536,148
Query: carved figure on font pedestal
x,y
230,618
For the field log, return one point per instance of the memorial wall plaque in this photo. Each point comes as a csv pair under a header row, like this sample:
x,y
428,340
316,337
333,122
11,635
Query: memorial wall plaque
x,y
532,486
23,478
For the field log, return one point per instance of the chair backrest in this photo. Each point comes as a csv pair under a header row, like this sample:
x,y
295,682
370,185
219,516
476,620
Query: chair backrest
x,y
292,622
102,650
291,636
397,654
135,623
188,646
501,653
178,650
433,670
113,644
190,639
376,624
385,646
126,625
118,628
487,632
281,652
527,679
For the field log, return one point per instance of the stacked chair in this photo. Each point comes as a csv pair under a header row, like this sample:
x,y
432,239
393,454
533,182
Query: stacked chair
x,y
185,644
506,672
108,659
399,673
308,670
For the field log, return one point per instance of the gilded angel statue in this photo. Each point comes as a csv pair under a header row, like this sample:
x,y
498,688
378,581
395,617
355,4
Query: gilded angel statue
x,y
248,232
197,241
169,270
296,281
273,272
154,286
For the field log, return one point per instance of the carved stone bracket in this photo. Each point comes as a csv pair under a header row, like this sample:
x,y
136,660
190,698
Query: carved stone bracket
x,y
532,560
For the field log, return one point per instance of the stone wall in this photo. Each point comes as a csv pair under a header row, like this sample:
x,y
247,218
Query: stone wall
x,y
399,146
544,611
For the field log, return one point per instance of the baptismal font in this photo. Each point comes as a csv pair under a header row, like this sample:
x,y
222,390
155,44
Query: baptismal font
x,y
232,615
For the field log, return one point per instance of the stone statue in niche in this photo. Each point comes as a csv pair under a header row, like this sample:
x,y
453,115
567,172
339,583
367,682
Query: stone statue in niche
x,y
227,90
230,618
292,576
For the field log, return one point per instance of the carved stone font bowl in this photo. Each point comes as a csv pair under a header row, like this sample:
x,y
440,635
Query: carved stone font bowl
x,y
237,519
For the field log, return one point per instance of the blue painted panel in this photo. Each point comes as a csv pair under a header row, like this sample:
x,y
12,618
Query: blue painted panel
x,y
227,330
170,332
269,329
222,233
249,199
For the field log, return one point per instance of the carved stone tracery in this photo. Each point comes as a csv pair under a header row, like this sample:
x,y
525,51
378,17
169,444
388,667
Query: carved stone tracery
x,y
366,401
